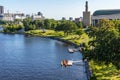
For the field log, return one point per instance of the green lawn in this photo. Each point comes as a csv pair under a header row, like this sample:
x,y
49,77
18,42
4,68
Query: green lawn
x,y
104,72
71,37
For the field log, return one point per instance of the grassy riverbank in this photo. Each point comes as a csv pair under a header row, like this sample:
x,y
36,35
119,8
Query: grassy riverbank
x,y
101,43
60,34
100,71
104,72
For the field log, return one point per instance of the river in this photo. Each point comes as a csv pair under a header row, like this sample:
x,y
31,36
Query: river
x,y
36,58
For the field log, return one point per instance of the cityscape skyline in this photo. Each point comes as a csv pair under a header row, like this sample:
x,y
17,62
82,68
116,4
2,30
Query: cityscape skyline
x,y
57,9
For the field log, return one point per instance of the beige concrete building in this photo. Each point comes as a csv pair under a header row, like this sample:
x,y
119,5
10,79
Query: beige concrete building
x,y
86,16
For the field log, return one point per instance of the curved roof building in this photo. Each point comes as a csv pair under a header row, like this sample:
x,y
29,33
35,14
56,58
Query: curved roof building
x,y
106,14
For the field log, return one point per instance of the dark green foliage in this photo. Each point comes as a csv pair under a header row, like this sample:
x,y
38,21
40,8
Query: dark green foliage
x,y
79,24
67,27
12,27
39,24
28,24
3,22
80,32
106,43
47,24
50,23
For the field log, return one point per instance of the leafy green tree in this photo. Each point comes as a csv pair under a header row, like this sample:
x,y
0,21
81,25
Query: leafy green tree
x,y
38,23
12,27
60,27
29,24
67,27
47,24
50,23
106,43
117,24
54,24
105,23
79,24
26,23
80,32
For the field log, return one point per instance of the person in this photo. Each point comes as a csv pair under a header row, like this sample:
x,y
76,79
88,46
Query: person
x,y
65,63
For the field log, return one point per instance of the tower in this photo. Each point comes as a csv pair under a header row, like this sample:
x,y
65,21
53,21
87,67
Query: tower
x,y
1,10
86,16
86,6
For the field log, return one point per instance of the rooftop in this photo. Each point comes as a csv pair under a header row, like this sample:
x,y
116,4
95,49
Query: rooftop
x,y
106,12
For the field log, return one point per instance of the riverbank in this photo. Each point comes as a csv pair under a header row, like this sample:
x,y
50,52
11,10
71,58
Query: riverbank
x,y
99,71
71,38
74,40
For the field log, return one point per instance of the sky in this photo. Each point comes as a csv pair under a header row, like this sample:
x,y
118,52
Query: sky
x,y
57,8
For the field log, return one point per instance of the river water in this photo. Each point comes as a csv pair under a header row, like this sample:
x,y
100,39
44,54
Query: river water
x,y
35,58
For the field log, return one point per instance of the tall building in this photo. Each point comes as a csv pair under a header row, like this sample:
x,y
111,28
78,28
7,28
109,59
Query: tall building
x,y
1,10
86,16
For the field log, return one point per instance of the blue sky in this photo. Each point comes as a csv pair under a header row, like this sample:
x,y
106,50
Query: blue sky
x,y
57,8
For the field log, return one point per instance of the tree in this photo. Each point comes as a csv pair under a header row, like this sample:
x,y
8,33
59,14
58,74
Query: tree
x,y
26,23
12,27
50,23
29,24
117,24
79,32
67,27
105,23
47,24
106,42
79,24
38,23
